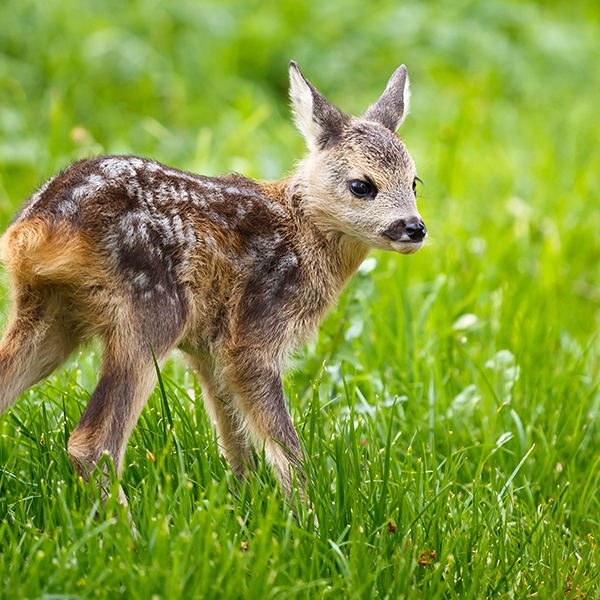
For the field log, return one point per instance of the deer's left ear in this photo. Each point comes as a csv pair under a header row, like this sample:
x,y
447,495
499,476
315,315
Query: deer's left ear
x,y
392,107
317,119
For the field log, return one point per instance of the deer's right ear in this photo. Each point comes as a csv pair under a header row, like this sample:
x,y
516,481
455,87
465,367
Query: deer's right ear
x,y
317,119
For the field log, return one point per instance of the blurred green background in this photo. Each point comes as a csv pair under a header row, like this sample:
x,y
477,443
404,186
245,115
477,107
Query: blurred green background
x,y
488,334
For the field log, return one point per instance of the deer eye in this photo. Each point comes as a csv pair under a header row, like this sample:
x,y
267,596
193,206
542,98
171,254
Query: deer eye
x,y
415,184
362,189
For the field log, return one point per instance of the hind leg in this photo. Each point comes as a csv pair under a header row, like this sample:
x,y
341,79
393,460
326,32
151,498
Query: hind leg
x,y
126,381
37,340
127,378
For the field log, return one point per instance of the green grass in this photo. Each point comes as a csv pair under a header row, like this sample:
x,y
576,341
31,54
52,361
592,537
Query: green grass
x,y
454,393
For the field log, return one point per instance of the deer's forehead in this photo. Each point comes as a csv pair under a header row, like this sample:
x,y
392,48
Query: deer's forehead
x,y
373,148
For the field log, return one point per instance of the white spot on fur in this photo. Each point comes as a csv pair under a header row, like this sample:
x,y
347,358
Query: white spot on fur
x,y
143,233
141,280
154,167
92,185
136,163
241,210
67,208
190,235
177,226
117,168
289,261
197,199
207,184
80,192
95,181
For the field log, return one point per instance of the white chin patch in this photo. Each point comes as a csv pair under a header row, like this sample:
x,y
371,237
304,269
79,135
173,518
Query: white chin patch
x,y
409,247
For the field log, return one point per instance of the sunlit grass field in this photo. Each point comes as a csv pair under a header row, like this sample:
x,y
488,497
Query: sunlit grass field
x,y
449,409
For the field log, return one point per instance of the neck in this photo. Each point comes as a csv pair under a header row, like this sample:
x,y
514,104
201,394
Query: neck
x,y
336,254
347,254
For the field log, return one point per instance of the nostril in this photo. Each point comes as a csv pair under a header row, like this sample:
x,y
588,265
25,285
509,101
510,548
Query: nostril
x,y
400,230
416,231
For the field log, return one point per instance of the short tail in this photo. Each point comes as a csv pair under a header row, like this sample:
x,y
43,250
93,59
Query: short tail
x,y
36,251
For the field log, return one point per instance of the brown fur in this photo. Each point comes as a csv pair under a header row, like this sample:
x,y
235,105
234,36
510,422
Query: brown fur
x,y
35,251
234,272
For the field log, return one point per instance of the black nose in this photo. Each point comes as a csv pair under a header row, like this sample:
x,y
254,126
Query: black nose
x,y
416,231
413,228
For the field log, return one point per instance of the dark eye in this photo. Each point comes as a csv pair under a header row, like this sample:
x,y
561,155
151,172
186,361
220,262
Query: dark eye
x,y
362,189
415,184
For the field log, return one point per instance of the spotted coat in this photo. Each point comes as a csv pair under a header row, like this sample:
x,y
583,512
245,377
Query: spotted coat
x,y
233,272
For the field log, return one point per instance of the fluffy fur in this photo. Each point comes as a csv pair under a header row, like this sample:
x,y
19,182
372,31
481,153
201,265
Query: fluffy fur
x,y
234,272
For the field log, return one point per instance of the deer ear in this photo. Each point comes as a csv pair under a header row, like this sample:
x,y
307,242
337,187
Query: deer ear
x,y
392,107
318,120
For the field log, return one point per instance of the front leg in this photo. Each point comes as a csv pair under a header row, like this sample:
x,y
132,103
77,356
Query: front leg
x,y
259,390
231,429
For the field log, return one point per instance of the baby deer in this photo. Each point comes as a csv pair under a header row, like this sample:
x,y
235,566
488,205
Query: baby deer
x,y
234,272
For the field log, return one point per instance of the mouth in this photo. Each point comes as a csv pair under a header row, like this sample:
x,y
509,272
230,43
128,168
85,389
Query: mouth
x,y
407,246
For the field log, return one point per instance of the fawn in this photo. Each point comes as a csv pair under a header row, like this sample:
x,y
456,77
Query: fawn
x,y
234,272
